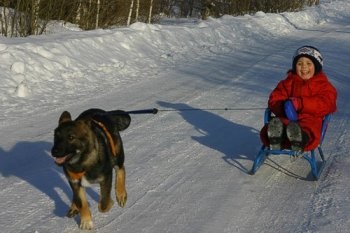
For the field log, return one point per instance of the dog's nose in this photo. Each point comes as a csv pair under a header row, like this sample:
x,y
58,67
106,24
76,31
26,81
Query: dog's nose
x,y
54,151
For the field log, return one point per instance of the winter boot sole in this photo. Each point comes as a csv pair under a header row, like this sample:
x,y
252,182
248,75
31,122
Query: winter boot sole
x,y
295,136
274,133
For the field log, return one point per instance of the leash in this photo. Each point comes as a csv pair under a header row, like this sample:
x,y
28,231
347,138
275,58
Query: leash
x,y
156,110
144,111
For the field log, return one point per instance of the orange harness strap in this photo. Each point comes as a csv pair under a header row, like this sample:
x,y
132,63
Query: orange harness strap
x,y
75,175
108,136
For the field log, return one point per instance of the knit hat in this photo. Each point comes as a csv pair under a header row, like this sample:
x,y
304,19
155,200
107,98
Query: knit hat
x,y
309,52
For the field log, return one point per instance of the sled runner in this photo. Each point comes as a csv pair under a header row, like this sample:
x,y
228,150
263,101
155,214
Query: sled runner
x,y
315,157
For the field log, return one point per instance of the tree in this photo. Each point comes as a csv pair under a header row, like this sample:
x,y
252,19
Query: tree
x,y
97,13
34,26
137,10
130,12
150,11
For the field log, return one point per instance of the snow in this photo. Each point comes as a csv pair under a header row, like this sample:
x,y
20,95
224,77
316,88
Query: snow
x,y
186,170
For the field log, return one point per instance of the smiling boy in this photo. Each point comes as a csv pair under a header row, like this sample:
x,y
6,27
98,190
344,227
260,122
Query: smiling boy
x,y
312,97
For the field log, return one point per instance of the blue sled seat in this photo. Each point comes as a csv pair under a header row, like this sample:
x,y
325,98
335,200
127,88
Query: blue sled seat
x,y
316,165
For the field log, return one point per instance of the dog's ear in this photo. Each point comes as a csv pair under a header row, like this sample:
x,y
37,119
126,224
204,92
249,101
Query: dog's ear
x,y
65,116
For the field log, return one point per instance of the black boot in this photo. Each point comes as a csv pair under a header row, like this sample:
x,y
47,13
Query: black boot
x,y
275,133
296,136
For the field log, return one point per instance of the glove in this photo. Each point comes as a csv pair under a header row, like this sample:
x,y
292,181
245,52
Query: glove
x,y
290,111
296,101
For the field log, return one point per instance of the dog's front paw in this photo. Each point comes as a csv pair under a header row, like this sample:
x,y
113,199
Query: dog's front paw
x,y
86,224
105,206
121,198
72,212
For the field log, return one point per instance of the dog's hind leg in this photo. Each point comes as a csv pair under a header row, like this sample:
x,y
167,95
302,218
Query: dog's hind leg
x,y
73,210
120,190
76,202
106,201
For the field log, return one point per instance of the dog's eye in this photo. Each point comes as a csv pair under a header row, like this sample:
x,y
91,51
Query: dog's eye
x,y
71,137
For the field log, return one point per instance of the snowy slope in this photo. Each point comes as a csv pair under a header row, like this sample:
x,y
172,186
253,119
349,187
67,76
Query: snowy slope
x,y
186,170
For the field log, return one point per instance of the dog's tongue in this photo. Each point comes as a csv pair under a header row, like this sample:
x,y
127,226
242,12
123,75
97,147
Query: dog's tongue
x,y
61,159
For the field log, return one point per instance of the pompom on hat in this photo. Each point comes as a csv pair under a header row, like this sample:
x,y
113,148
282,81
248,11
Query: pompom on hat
x,y
309,52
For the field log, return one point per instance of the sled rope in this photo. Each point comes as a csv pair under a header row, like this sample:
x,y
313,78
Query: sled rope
x,y
156,110
208,109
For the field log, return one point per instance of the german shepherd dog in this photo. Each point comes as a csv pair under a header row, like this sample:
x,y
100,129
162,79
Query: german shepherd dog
x,y
88,148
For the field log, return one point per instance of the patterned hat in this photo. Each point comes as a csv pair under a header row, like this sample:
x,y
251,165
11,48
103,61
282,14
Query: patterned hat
x,y
309,52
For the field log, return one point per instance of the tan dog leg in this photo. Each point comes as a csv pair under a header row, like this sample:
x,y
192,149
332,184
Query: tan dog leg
x,y
85,215
120,190
106,201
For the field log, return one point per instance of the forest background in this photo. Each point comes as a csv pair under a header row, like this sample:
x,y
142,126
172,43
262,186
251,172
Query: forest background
x,y
20,18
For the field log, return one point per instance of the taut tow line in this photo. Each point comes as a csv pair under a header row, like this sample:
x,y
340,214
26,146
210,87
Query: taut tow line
x,y
156,110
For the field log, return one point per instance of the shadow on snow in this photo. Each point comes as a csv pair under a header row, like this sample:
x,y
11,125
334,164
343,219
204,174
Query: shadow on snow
x,y
237,142
31,162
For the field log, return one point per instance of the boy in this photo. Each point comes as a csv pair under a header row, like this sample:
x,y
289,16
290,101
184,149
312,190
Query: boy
x,y
308,94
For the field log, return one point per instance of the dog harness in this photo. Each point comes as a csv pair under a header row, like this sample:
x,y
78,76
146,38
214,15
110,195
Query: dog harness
x,y
108,136
75,175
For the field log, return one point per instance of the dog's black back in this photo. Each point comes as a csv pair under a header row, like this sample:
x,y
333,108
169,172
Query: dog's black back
x,y
114,123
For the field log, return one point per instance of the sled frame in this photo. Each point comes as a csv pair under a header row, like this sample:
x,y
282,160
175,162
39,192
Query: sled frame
x,y
315,157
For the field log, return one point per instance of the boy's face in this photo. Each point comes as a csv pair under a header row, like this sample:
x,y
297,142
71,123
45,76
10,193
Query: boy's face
x,y
305,68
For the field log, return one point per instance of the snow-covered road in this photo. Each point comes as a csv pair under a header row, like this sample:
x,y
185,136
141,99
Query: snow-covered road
x,y
186,170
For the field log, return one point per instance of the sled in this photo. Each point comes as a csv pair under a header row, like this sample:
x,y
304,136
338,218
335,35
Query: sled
x,y
315,157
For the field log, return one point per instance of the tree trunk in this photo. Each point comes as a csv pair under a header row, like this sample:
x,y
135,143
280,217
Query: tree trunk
x,y
137,10
130,12
35,18
150,12
97,13
78,13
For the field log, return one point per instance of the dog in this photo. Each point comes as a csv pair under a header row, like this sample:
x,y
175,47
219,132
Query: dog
x,y
89,148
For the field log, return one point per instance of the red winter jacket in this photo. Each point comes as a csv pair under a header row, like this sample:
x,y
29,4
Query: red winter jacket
x,y
318,98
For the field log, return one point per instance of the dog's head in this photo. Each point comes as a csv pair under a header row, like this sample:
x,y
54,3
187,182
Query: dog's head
x,y
72,140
